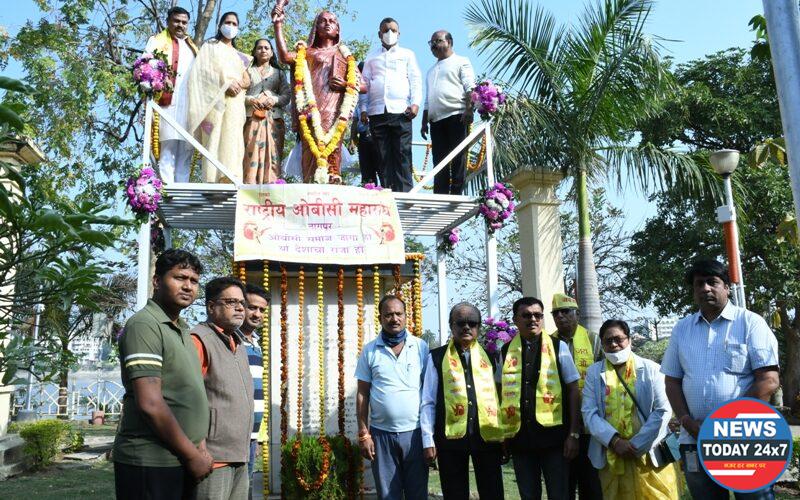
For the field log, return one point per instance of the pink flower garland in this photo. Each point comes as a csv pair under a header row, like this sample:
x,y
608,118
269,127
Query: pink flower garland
x,y
450,240
498,333
144,193
152,74
497,205
487,98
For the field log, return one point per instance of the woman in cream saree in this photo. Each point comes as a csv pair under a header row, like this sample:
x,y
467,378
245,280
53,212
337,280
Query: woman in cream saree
x,y
216,100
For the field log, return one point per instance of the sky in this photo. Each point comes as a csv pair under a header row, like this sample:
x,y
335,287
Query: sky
x,y
689,29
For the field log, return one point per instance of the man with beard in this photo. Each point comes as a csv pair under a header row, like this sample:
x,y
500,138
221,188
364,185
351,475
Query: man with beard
x,y
229,388
390,371
719,353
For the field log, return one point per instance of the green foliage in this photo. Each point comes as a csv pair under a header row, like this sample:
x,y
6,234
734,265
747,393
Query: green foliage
x,y
653,350
74,440
44,440
794,463
308,465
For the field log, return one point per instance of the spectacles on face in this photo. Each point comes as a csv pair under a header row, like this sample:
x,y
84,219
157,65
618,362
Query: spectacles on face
x,y
471,324
611,341
431,43
232,303
537,316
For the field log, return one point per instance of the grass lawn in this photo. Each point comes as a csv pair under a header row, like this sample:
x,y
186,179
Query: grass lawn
x,y
56,484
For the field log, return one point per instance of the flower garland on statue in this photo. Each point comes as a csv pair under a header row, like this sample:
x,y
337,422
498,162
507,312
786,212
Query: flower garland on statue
x,y
265,333
497,205
323,142
340,332
301,294
498,333
144,193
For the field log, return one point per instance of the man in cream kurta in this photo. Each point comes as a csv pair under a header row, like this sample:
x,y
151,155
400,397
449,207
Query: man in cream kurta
x,y
176,154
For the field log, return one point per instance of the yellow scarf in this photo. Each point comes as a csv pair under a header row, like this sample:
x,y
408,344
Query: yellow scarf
x,y
163,42
620,409
548,387
455,394
582,352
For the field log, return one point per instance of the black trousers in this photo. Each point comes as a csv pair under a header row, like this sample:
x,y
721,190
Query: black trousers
x,y
368,159
135,482
446,134
529,467
454,473
582,474
391,133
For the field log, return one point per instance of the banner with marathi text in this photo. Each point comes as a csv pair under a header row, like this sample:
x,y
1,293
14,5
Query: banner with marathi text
x,y
317,224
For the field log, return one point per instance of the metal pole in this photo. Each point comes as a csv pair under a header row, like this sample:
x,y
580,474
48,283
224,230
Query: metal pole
x,y
726,215
491,241
441,283
783,27
37,309
143,271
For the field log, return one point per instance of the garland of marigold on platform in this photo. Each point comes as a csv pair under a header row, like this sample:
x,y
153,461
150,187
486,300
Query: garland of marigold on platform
x,y
360,307
376,297
265,333
321,348
243,272
418,296
155,142
301,280
473,166
284,357
398,290
340,331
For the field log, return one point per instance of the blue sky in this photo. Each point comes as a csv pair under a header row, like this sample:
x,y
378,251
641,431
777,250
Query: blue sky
x,y
692,29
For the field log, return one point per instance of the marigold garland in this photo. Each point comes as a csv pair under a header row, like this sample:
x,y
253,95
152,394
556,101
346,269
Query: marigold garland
x,y
265,375
340,331
479,159
301,280
284,357
376,297
321,348
323,142
398,290
417,297
360,307
419,177
323,470
243,272
155,143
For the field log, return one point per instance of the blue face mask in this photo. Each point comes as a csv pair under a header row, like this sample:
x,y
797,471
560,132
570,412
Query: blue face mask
x,y
394,340
229,31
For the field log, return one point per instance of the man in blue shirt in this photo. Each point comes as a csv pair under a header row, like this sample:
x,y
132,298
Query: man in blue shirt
x,y
720,353
390,371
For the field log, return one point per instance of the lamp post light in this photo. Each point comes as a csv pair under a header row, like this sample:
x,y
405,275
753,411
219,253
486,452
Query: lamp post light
x,y
725,162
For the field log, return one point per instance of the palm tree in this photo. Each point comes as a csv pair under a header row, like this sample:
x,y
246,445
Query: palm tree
x,y
580,91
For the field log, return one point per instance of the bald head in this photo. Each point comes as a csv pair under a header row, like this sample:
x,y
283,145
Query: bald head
x,y
441,44
465,323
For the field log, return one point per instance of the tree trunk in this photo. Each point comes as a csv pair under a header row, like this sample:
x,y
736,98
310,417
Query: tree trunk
x,y
203,20
588,293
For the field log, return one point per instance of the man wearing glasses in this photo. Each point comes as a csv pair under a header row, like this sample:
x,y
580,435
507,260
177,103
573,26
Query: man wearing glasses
x,y
229,387
459,411
540,404
585,349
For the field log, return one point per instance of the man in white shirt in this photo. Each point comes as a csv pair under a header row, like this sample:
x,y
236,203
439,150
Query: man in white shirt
x,y
448,110
393,98
175,153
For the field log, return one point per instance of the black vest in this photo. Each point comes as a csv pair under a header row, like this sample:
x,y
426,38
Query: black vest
x,y
531,433
472,439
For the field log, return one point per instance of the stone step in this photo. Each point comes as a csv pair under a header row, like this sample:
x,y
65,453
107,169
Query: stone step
x,y
11,449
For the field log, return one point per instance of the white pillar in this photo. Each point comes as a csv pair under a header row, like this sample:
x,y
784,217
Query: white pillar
x,y
540,236
143,267
441,284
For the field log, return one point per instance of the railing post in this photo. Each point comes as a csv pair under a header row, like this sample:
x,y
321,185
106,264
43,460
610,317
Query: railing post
x,y
143,266
441,284
148,133
491,241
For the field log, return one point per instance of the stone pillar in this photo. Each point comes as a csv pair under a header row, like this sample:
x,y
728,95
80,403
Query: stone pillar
x,y
540,235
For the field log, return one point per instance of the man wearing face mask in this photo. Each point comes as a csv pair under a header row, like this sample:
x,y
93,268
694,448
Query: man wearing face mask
x,y
393,98
719,353
627,412
585,349
540,404
176,154
229,387
459,413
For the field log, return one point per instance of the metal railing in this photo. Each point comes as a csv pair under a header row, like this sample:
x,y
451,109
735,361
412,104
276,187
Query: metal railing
x,y
47,401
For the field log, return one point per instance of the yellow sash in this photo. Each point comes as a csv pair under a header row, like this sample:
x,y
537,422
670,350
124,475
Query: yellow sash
x,y
163,43
548,387
583,353
455,394
620,409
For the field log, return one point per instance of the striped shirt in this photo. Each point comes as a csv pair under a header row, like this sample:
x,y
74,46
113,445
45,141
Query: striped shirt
x,y
256,370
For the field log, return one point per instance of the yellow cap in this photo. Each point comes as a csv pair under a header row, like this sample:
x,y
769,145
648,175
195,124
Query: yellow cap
x,y
561,301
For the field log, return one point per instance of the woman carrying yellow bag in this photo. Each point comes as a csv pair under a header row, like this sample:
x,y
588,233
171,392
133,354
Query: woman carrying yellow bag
x,y
625,439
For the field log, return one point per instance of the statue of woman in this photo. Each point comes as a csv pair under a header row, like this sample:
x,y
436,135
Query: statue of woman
x,y
328,68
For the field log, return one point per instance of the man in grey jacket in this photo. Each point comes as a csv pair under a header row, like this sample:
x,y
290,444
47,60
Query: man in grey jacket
x,y
229,387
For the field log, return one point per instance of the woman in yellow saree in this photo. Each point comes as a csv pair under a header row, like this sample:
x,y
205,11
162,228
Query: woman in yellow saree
x,y
623,447
217,84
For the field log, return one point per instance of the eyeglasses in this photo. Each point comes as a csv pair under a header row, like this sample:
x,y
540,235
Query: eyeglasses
x,y
537,315
232,303
610,341
431,43
471,324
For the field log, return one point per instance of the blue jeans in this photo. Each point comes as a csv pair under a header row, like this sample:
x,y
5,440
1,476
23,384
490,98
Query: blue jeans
x,y
702,486
399,468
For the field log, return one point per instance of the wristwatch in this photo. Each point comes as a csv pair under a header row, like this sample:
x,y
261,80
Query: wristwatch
x,y
574,435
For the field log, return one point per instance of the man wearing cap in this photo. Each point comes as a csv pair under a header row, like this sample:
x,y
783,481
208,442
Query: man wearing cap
x,y
585,349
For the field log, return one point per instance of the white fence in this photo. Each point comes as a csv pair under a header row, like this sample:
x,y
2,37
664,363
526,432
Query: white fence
x,y
79,403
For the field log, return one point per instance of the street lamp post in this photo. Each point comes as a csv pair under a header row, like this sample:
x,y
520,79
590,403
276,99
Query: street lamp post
x,y
725,162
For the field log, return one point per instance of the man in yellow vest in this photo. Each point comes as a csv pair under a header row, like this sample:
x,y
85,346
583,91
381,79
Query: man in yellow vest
x,y
585,349
175,153
540,404
459,411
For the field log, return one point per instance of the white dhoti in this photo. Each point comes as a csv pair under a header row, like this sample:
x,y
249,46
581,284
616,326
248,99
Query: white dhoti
x,y
175,161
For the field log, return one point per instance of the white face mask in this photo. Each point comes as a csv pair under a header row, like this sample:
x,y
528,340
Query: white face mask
x,y
390,38
619,357
229,31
